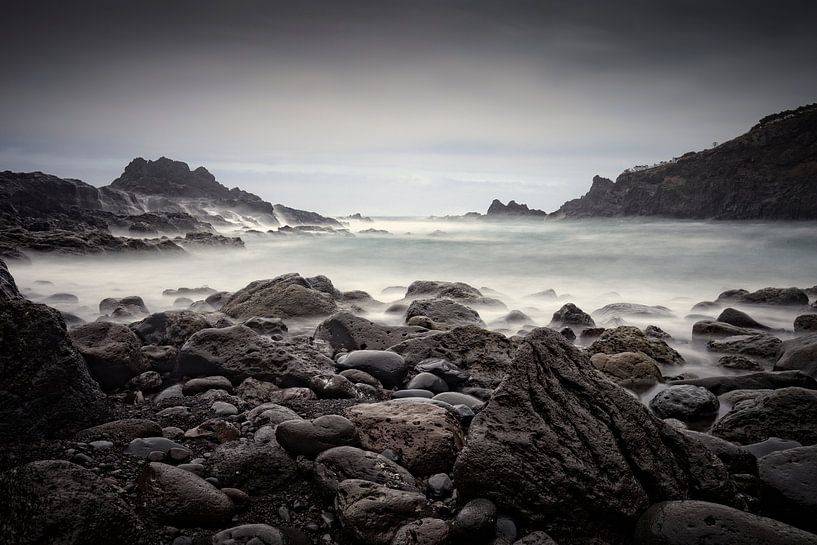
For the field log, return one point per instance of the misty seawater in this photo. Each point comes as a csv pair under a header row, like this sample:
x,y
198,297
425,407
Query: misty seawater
x,y
590,263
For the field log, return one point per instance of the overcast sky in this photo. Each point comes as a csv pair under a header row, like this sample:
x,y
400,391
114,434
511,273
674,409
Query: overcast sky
x,y
390,106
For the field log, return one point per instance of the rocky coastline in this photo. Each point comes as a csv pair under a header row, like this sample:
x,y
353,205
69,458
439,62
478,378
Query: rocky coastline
x,y
280,414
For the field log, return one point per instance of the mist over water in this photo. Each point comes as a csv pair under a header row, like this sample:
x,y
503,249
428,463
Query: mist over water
x,y
589,263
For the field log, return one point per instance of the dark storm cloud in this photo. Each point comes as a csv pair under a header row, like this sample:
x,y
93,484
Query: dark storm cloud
x,y
307,99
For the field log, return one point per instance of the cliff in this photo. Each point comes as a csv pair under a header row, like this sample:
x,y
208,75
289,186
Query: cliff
x,y
768,173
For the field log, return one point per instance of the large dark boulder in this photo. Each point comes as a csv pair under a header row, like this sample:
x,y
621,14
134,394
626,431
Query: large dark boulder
x,y
789,413
170,328
346,331
60,503
286,296
486,355
388,367
632,339
789,481
335,465
112,351
444,311
799,354
561,446
704,523
738,318
571,316
237,352
45,386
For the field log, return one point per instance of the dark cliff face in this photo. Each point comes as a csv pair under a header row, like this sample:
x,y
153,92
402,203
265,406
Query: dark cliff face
x,y
768,173
174,180
512,209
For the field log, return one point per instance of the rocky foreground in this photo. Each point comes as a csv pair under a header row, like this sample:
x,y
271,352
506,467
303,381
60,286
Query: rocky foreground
x,y
223,424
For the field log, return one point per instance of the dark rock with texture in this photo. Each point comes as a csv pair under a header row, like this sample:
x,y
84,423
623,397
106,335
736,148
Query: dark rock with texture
x,y
571,316
60,503
485,355
426,437
805,323
335,465
685,402
632,339
112,351
256,468
182,498
799,354
704,523
347,331
372,513
171,328
444,311
238,352
753,381
789,481
286,296
559,445
45,385
788,413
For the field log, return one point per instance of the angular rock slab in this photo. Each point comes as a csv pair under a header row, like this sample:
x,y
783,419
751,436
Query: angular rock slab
x,y
560,445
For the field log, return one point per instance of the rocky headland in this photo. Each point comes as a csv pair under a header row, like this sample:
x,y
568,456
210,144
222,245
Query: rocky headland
x,y
156,206
769,173
281,414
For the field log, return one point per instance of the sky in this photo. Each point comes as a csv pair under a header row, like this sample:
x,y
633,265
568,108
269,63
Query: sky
x,y
393,107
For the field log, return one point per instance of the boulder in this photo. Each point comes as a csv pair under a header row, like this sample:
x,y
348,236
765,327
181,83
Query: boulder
x,y
427,438
133,305
453,376
171,328
775,297
60,503
788,413
805,323
741,363
347,331
770,445
175,496
202,384
388,367
425,531
759,346
112,352
286,296
252,534
427,381
616,311
337,464
238,352
799,354
632,339
571,316
160,358
753,381
712,329
788,481
267,326
333,387
444,311
704,523
371,513
738,318
559,444
311,437
476,521
628,369
45,385
485,355
256,468
685,402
